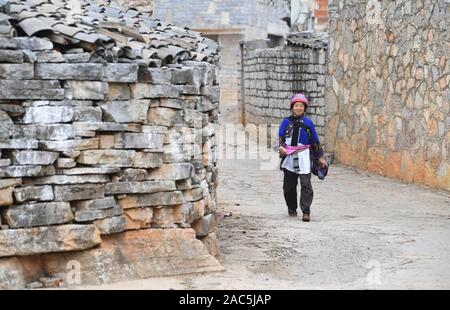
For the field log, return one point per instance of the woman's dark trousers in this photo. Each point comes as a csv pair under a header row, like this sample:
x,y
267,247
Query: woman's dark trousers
x,y
290,191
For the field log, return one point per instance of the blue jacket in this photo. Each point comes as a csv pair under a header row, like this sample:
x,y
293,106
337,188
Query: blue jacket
x,y
286,129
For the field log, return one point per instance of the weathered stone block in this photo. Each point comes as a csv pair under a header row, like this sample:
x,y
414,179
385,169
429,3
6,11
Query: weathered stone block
x,y
78,192
48,239
67,102
179,136
29,56
155,75
12,109
198,209
56,132
183,214
6,197
5,162
49,57
139,187
152,200
77,58
88,214
106,141
103,126
164,217
184,184
30,89
182,76
33,157
212,92
136,255
177,154
190,90
33,193
212,244
74,145
83,72
175,171
11,273
164,117
26,171
172,103
72,179
142,91
6,126
145,140
111,225
118,91
203,225
32,43
16,71
133,111
86,90
65,163
133,175
148,160
7,43
194,194
95,204
62,114
193,119
206,105
139,218
19,144
91,171
39,214
121,158
119,72
4,183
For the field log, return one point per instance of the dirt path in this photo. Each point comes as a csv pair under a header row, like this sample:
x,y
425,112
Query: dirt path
x,y
367,232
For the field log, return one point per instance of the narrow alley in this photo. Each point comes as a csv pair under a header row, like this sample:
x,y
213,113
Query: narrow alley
x,y
366,232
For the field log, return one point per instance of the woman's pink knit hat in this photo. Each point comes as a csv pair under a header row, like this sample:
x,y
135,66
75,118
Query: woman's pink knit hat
x,y
300,97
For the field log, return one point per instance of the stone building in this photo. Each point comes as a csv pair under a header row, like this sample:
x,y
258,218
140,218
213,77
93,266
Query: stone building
x,y
387,90
228,22
107,145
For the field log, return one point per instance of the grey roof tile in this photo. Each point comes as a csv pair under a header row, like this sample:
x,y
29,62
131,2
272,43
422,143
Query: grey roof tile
x,y
33,25
103,24
67,30
308,39
4,17
7,30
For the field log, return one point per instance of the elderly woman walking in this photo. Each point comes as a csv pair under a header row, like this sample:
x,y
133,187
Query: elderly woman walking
x,y
299,144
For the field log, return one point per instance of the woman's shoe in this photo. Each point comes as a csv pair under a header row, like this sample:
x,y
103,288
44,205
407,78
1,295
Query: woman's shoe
x,y
306,218
292,213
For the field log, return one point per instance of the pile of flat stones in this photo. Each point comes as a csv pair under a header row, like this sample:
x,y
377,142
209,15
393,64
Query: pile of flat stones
x,y
89,150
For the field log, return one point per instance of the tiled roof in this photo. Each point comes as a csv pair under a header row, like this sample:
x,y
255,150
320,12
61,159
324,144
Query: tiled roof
x,y
308,39
105,27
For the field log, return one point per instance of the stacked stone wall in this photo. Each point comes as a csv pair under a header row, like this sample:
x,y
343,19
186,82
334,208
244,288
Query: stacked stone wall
x,y
272,75
112,165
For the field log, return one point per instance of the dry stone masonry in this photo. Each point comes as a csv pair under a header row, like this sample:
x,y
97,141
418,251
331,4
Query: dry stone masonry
x,y
107,144
272,75
387,92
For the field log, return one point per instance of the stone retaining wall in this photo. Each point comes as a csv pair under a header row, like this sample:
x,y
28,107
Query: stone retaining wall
x,y
388,89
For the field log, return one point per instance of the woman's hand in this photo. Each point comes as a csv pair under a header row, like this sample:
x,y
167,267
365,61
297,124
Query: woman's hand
x,y
282,152
323,162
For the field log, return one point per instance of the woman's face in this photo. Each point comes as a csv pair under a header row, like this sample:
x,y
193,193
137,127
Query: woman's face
x,y
298,108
